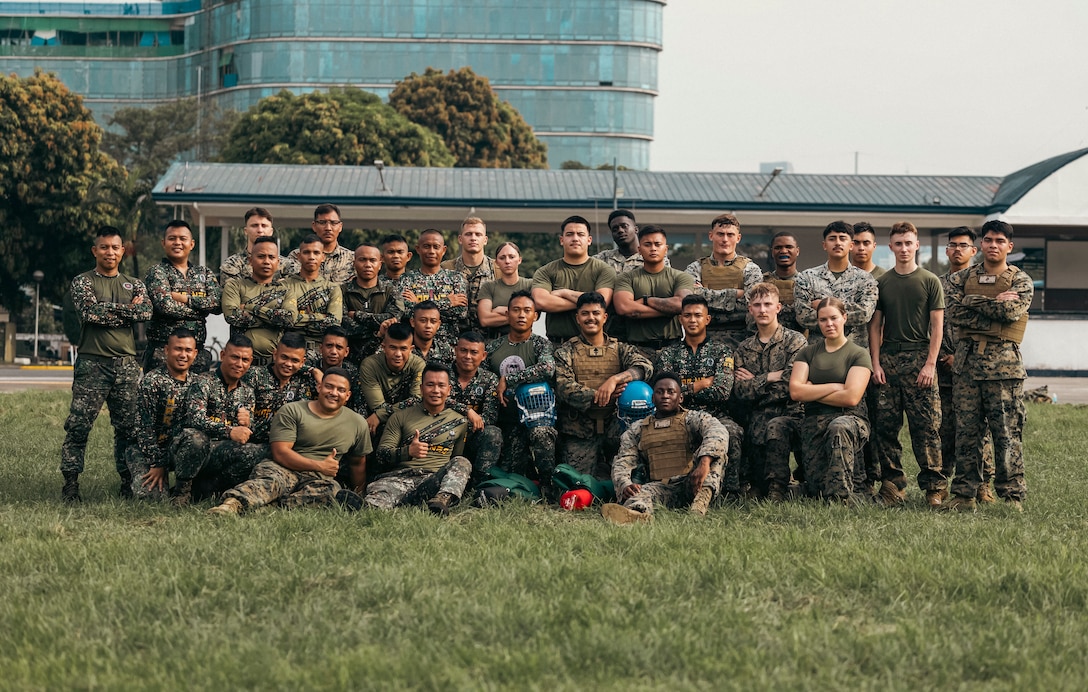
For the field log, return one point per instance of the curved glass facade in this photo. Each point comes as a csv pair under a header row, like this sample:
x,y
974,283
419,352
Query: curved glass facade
x,y
583,73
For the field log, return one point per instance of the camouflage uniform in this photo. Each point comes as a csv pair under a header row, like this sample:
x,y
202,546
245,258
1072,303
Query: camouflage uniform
x,y
702,436
256,310
728,313
482,447
438,287
712,358
161,406
441,352
269,395
788,316
204,448
589,435
311,307
474,278
237,266
382,388
338,266
945,378
528,451
989,383
106,370
773,425
372,307
414,481
169,314
856,288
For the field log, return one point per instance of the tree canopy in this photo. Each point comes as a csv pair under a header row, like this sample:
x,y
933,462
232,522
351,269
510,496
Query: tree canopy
x,y
50,162
479,129
342,126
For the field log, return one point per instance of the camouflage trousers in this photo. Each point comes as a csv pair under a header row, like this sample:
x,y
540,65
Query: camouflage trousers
x,y
271,483
138,467
95,381
870,458
676,491
948,437
483,448
154,356
416,486
737,471
832,454
769,441
593,455
529,451
998,405
922,407
215,464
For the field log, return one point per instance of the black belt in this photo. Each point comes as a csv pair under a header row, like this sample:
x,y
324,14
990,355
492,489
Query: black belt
x,y
898,347
103,359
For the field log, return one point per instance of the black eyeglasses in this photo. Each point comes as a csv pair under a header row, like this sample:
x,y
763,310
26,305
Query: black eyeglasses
x,y
959,246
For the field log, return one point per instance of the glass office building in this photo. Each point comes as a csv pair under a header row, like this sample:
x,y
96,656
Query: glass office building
x,y
583,73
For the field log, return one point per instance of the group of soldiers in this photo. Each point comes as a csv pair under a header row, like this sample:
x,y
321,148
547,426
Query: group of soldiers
x,y
349,379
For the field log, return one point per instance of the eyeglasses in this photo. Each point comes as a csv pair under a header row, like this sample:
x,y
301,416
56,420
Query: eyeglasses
x,y
325,223
959,246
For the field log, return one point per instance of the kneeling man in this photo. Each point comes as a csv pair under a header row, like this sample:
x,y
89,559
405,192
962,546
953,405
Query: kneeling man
x,y
680,452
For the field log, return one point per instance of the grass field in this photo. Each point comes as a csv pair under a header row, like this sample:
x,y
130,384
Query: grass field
x,y
117,595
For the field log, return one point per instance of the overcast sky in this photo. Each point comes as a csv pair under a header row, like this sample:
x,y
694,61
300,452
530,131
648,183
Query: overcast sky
x,y
965,87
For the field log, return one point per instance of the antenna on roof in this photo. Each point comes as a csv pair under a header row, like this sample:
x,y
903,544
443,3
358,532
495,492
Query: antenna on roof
x,y
380,166
774,174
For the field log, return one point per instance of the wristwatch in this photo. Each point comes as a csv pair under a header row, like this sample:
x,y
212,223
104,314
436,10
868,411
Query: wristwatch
x,y
646,301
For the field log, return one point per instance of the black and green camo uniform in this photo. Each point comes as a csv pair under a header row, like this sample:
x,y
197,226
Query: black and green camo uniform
x,y
162,402
204,296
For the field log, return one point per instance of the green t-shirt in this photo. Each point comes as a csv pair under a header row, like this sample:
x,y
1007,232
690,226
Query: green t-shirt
x,y
593,275
511,358
906,301
104,331
663,284
824,368
315,437
445,433
381,387
499,295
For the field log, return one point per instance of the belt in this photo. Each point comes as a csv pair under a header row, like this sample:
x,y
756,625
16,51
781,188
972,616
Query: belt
x,y
900,346
103,359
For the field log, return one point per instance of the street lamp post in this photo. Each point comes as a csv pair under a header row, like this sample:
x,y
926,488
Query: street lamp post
x,y
38,276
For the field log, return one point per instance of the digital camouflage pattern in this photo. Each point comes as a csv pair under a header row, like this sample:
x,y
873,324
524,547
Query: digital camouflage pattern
x,y
856,288
237,266
212,408
161,405
338,266
832,449
441,351
215,465
365,309
107,312
96,381
271,483
574,399
199,283
437,287
787,317
414,486
529,452
988,388
922,406
620,262
269,395
474,278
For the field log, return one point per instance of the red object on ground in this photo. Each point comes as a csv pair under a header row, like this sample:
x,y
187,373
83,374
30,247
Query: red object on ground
x,y
576,499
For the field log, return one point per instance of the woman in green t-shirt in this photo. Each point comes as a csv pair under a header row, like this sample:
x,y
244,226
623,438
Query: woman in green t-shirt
x,y
495,294
830,377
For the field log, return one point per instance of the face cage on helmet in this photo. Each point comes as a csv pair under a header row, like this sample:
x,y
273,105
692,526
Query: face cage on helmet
x,y
629,415
537,406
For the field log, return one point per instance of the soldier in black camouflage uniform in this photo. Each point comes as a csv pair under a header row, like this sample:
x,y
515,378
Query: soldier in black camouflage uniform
x,y
368,305
705,368
761,386
338,265
313,303
680,453
182,296
162,403
474,394
258,224
109,303
427,342
988,304
214,451
253,306
445,287
591,371
286,379
472,264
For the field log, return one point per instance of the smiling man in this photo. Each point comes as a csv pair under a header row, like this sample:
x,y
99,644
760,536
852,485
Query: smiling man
x,y
310,441
109,303
286,379
182,296
784,254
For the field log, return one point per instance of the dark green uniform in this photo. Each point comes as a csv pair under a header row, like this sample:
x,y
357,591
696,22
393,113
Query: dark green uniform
x,y
311,307
592,275
381,388
161,406
365,309
652,332
204,297
256,310
237,266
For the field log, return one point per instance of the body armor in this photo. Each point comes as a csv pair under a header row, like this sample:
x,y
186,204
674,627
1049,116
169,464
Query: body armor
x,y
785,289
998,331
593,365
665,443
717,277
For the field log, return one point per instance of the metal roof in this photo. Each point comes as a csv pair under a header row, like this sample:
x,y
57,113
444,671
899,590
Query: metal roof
x,y
1016,185
259,184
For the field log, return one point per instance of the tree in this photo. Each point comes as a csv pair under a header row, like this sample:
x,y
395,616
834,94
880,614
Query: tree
x,y
343,126
479,129
50,161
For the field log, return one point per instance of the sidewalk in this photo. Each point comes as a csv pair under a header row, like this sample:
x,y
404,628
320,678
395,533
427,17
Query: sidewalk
x,y
1070,390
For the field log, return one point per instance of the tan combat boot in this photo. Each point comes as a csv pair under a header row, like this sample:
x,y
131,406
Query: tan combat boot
x,y
618,514
985,494
440,504
890,495
958,503
701,503
230,508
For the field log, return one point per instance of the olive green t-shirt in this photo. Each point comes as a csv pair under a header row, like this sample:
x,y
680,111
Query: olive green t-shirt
x,y
315,437
499,295
444,433
663,284
102,340
824,368
593,275
380,387
906,301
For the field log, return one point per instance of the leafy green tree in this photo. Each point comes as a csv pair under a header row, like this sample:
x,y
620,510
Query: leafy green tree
x,y
479,129
342,126
50,161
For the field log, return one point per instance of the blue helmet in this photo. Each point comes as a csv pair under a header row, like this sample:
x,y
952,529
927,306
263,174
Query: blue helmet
x,y
636,402
536,401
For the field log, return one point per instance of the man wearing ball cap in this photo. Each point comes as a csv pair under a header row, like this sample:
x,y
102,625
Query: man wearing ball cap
x,y
680,452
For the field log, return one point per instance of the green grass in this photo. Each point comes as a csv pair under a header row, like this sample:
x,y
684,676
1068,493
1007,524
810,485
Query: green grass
x,y
113,595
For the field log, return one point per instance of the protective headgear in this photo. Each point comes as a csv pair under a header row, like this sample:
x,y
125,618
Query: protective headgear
x,y
636,402
536,401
